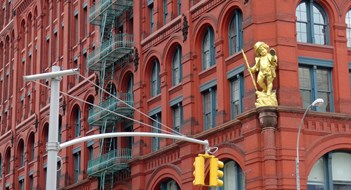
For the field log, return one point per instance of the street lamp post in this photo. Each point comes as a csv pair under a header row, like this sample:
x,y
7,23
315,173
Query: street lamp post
x,y
52,145
318,102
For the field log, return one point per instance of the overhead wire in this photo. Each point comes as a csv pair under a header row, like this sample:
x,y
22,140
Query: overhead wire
x,y
120,115
142,113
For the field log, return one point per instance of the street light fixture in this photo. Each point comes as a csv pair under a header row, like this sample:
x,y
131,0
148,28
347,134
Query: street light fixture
x,y
318,102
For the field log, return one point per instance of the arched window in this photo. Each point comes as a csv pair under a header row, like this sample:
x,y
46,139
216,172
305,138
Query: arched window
x,y
155,79
1,166
77,124
208,50
177,66
1,17
47,18
332,171
29,28
312,23
23,35
169,184
90,112
45,138
8,161
234,178
111,88
235,33
1,54
21,153
348,29
31,147
8,12
59,137
130,96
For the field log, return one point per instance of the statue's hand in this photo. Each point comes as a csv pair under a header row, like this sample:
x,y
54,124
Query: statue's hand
x,y
252,70
272,52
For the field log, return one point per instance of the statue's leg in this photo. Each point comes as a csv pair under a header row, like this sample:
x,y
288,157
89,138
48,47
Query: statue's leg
x,y
269,85
260,82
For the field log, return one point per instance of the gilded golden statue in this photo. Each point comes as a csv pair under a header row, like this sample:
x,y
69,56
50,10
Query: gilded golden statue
x,y
265,65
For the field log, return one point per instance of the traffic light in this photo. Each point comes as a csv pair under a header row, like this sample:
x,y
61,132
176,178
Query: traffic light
x,y
199,172
215,172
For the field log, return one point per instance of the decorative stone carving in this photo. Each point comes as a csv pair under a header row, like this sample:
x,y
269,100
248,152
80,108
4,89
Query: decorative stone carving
x,y
136,59
185,28
267,116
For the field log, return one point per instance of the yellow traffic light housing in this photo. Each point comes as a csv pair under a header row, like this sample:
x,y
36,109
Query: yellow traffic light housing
x,y
199,172
215,172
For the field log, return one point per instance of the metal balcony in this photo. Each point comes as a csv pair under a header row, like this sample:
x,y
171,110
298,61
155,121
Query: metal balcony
x,y
100,117
114,8
111,51
113,161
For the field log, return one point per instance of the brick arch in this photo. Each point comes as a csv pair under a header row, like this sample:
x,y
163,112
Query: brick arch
x,y
200,30
330,8
85,112
7,160
147,72
107,86
164,172
43,136
18,151
231,151
124,78
30,143
224,21
347,7
170,50
1,54
148,58
324,145
74,107
87,97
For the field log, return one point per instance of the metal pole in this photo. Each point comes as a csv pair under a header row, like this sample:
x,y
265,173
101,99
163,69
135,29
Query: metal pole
x,y
318,102
133,134
297,149
53,145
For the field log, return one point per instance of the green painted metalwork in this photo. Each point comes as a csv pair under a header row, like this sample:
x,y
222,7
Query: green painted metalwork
x,y
114,8
115,51
97,116
111,51
113,161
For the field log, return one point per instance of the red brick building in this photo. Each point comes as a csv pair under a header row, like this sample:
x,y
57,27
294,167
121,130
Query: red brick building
x,y
179,63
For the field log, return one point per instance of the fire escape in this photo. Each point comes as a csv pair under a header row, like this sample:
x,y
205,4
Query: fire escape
x,y
114,52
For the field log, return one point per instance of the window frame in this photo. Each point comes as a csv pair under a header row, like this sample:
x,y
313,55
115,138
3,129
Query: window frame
x,y
179,7
348,28
310,24
313,64
77,123
240,79
177,66
328,170
155,78
155,141
239,176
212,112
165,12
238,33
177,110
1,165
151,15
210,47
76,166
